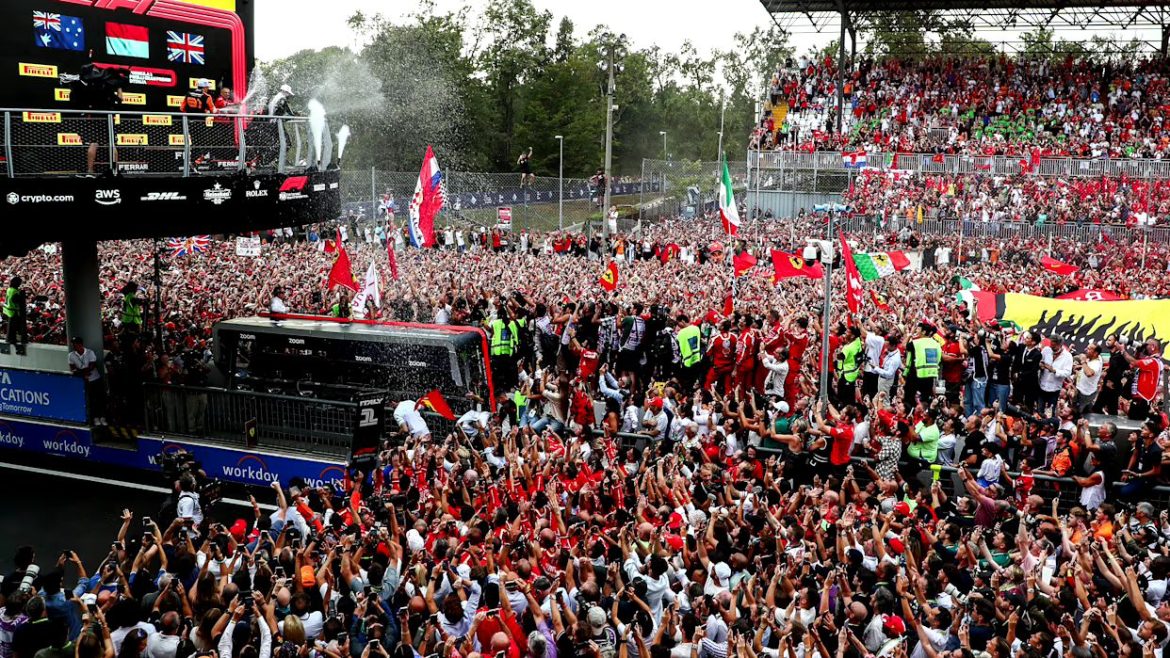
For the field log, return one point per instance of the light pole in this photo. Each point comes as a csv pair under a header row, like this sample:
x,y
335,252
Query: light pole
x,y
561,185
664,155
609,107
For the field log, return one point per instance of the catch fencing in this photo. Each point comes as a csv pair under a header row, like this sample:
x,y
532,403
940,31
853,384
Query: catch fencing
x,y
934,163
476,199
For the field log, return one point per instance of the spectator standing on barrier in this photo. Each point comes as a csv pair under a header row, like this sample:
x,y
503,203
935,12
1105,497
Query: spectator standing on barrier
x,y
1113,384
276,304
198,100
15,311
98,89
527,178
83,363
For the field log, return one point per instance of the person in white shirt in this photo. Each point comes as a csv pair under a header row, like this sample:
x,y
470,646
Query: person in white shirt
x,y
474,422
277,304
1088,378
165,642
409,420
1056,365
83,363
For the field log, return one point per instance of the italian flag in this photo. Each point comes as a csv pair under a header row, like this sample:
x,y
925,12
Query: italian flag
x,y
879,265
728,212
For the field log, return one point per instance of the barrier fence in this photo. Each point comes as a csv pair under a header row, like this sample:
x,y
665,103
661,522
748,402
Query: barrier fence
x,y
476,198
69,142
933,163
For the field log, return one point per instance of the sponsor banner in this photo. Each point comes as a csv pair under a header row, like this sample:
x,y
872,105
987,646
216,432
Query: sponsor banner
x,y
15,199
41,117
217,194
157,120
247,467
42,439
504,217
248,246
258,191
176,140
61,95
195,83
152,197
174,101
42,395
293,188
37,70
133,98
133,139
68,139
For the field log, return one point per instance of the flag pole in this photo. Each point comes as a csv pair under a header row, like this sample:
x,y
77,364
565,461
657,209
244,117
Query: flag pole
x,y
828,263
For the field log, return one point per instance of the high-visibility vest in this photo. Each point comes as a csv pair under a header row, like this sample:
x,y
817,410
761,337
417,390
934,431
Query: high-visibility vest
x,y
514,327
9,307
927,354
131,311
501,338
850,368
688,345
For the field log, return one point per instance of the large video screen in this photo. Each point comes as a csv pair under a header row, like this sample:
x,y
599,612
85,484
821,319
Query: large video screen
x,y
164,46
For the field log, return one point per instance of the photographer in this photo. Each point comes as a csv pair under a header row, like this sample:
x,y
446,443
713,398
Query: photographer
x,y
977,373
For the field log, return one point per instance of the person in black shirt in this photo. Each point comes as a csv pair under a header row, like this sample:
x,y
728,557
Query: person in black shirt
x,y
999,355
1113,383
1026,370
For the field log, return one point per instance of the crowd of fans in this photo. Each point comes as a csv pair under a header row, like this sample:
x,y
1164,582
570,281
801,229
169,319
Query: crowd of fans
x,y
1003,199
1079,107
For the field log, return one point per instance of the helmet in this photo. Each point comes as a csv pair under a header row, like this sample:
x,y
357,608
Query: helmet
x,y
202,84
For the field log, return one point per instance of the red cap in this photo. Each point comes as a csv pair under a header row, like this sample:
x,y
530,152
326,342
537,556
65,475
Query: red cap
x,y
675,542
675,521
897,546
655,403
239,530
894,625
902,508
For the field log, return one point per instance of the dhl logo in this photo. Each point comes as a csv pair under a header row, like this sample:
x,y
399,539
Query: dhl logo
x,y
177,140
133,98
61,95
133,140
174,101
42,117
195,82
156,120
68,139
37,70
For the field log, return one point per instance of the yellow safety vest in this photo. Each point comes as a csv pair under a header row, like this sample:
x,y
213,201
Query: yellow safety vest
x,y
688,345
849,368
927,355
501,338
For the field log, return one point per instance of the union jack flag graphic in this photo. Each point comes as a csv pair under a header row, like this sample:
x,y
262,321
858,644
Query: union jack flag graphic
x,y
47,21
185,47
195,244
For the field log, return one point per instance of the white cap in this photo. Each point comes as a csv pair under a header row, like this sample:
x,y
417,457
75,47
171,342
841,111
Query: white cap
x,y
780,406
202,84
722,572
287,90
415,540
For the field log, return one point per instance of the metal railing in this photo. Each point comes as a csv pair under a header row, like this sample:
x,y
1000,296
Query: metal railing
x,y
69,142
281,422
1125,236
996,165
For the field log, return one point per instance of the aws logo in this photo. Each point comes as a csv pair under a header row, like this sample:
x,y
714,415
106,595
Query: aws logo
x,y
334,475
251,469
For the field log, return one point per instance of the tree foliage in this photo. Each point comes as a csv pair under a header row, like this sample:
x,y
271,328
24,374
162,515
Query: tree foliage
x,y
484,88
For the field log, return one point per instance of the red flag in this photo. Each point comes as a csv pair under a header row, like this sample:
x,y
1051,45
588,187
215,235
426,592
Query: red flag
x,y
786,266
938,158
609,278
743,261
331,246
852,277
341,274
438,404
879,302
1057,267
728,306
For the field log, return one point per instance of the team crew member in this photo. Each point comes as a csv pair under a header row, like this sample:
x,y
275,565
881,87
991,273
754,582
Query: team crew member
x,y
198,100
15,314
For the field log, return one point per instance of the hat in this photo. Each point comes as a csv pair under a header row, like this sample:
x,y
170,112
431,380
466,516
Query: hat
x,y
596,618
722,571
893,626
287,90
675,542
675,521
656,403
415,540
897,546
902,507
780,406
239,530
202,84
308,578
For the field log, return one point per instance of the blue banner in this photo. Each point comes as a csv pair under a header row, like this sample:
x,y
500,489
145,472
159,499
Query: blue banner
x,y
42,395
220,462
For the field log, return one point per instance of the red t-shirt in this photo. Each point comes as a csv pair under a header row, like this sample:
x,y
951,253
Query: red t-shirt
x,y
842,445
1149,372
952,371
